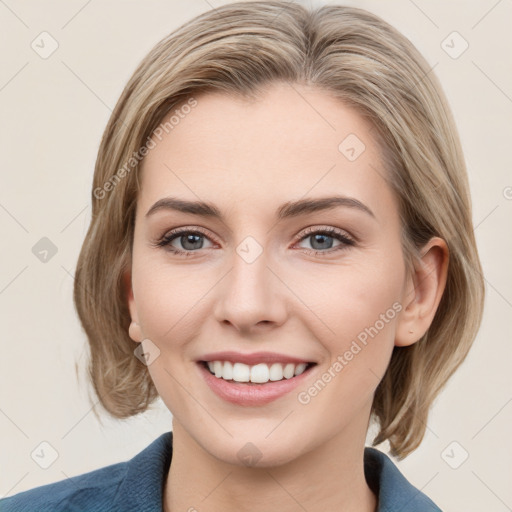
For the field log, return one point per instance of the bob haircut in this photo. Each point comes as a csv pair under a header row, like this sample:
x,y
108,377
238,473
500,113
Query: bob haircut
x,y
347,52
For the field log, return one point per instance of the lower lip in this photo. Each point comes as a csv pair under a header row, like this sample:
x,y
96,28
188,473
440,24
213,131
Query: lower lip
x,y
249,393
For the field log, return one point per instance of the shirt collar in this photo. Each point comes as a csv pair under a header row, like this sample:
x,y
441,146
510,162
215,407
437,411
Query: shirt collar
x,y
395,493
141,490
142,487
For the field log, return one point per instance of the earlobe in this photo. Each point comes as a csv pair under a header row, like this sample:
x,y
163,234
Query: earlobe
x,y
134,331
423,292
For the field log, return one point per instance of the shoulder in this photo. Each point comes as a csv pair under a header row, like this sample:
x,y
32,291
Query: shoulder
x,y
82,492
394,491
134,485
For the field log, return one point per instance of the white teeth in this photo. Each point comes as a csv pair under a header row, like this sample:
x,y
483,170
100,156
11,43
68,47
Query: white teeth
x,y
276,371
227,371
300,368
288,371
217,368
241,372
258,373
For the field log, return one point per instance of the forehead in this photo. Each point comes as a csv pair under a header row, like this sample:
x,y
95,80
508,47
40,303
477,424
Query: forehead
x,y
290,142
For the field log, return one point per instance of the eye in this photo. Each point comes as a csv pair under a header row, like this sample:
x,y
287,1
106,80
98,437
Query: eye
x,y
190,240
322,240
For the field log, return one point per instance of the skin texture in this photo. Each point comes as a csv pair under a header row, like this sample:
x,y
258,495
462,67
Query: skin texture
x,y
248,158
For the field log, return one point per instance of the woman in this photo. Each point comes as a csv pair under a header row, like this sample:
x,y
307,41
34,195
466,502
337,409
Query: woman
x,y
281,248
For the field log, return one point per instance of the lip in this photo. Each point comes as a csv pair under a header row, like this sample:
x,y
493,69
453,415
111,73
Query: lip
x,y
249,393
253,358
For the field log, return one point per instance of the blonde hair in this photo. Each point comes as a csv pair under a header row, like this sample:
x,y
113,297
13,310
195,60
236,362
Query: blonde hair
x,y
239,48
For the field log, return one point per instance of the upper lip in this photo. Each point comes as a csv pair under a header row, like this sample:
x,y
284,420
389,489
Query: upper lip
x,y
253,358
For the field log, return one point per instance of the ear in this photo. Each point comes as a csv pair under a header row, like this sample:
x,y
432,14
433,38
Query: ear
x,y
134,330
422,292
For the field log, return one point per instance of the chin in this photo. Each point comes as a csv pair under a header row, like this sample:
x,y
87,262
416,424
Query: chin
x,y
246,450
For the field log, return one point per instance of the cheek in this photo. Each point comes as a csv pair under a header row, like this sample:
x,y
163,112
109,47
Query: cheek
x,y
361,305
354,296
361,309
167,295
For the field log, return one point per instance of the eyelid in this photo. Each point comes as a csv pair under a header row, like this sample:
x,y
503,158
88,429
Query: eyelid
x,y
185,229
325,229
346,239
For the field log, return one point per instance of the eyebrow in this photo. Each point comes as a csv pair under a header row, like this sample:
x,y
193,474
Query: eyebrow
x,y
287,210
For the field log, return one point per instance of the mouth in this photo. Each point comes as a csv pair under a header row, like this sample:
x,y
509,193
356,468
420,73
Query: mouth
x,y
260,373
253,379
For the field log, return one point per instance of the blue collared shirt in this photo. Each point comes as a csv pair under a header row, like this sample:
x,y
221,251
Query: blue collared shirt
x,y
137,486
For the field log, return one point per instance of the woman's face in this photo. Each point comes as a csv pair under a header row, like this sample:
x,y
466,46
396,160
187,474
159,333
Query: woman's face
x,y
267,276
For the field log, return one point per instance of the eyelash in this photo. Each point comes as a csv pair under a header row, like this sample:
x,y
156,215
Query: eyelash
x,y
169,237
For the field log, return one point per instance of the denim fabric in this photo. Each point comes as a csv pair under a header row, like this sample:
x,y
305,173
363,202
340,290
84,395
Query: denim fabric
x,y
137,485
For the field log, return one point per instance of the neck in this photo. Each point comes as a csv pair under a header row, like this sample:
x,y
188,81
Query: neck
x,y
329,477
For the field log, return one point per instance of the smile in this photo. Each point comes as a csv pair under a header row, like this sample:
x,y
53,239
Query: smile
x,y
253,379
260,373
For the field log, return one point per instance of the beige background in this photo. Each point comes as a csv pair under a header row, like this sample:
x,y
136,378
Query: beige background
x,y
53,112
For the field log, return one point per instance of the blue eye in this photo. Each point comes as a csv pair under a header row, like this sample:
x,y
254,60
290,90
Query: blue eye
x,y
192,241
322,240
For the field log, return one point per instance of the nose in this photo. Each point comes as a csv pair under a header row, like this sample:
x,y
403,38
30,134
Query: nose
x,y
251,297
